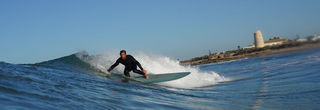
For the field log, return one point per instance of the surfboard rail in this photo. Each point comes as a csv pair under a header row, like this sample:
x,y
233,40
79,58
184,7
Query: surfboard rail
x,y
156,78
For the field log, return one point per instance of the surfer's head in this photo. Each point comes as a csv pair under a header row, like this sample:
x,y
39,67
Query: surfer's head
x,y
123,54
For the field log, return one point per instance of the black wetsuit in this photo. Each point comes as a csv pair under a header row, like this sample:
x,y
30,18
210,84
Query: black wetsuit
x,y
130,65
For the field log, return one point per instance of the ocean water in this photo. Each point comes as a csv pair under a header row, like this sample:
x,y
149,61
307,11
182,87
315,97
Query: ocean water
x,y
288,81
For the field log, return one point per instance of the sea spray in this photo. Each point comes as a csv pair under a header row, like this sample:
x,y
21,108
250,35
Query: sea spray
x,y
156,64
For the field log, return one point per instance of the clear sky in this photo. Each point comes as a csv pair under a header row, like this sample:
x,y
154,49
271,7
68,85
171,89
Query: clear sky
x,y
38,30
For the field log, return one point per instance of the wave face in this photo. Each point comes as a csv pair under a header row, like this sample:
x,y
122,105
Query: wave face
x,y
79,81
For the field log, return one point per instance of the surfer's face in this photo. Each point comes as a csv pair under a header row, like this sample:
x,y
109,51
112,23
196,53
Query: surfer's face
x,y
123,55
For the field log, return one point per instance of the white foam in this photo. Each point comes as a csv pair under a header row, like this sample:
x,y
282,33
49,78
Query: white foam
x,y
156,64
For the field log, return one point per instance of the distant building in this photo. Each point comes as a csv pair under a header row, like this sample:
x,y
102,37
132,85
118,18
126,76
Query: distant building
x,y
301,40
249,47
272,42
258,39
315,38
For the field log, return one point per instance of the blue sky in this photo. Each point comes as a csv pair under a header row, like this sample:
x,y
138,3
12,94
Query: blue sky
x,y
38,30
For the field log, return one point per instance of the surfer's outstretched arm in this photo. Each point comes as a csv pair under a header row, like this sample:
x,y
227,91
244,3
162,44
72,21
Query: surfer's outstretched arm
x,y
138,71
114,65
142,72
139,65
135,62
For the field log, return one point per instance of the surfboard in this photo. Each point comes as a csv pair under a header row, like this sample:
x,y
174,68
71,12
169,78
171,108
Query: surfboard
x,y
156,78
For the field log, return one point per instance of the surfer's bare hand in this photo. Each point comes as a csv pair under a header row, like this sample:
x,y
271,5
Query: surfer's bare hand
x,y
145,74
144,71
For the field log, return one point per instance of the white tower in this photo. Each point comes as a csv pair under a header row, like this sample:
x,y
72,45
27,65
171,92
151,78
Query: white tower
x,y
258,39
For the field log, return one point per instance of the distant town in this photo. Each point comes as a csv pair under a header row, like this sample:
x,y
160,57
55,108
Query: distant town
x,y
258,48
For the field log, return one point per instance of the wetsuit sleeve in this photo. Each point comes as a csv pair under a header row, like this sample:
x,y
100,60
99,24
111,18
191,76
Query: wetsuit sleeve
x,y
136,62
114,65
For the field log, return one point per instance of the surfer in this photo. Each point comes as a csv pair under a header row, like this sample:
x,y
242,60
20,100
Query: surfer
x,y
130,64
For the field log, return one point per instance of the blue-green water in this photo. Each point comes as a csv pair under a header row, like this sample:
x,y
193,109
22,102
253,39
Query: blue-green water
x,y
289,81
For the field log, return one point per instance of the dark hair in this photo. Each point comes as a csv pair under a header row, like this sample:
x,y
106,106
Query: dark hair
x,y
123,51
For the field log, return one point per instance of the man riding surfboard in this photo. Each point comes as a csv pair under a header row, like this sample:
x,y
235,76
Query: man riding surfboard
x,y
130,64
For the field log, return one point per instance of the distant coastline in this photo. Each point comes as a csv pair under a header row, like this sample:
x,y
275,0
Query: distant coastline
x,y
251,52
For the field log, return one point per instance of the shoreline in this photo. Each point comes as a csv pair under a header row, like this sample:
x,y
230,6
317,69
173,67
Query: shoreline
x,y
249,53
